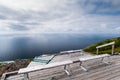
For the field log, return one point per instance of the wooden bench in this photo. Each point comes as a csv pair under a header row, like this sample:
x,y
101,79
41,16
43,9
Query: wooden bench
x,y
93,57
66,64
70,51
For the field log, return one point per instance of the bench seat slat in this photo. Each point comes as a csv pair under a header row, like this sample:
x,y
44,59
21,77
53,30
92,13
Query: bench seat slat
x,y
93,57
47,66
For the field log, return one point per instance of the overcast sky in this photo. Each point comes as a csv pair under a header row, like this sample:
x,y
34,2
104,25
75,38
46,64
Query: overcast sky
x,y
58,16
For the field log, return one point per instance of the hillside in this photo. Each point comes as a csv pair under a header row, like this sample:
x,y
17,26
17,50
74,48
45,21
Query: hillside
x,y
92,48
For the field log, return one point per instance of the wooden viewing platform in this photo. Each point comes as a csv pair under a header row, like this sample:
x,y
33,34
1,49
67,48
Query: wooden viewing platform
x,y
97,70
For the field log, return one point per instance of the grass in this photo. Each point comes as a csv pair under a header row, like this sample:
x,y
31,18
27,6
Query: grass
x,y
92,48
1,64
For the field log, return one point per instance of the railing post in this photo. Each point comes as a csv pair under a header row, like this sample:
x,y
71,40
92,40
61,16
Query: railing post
x,y
97,50
112,49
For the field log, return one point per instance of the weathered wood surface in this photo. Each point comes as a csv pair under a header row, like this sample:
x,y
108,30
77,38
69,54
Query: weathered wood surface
x,y
97,71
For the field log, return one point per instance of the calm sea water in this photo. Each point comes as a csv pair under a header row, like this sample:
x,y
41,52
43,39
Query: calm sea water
x,y
27,46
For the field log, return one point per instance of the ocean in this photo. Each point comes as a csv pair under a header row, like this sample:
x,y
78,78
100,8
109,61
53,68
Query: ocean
x,y
22,46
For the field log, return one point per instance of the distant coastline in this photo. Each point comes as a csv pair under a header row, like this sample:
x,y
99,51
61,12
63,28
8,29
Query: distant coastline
x,y
6,62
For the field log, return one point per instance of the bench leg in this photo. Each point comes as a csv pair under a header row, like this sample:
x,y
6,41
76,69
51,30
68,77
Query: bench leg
x,y
67,70
102,59
106,62
82,67
26,76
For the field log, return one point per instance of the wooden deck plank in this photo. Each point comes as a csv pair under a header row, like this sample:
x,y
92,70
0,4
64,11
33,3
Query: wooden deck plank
x,y
111,75
117,77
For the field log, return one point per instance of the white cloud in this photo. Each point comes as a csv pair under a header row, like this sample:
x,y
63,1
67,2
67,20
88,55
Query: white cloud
x,y
117,28
37,5
40,16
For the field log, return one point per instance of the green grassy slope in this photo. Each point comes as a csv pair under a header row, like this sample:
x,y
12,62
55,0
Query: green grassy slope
x,y
107,49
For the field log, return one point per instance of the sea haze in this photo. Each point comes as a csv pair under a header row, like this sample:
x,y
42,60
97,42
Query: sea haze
x,y
28,46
